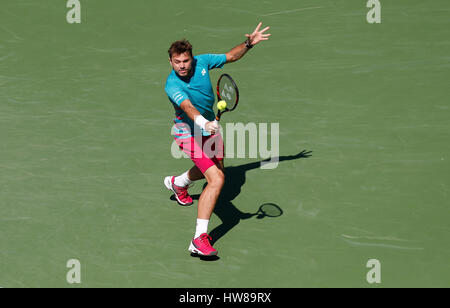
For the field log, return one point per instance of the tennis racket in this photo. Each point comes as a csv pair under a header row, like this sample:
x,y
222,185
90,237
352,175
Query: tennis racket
x,y
227,90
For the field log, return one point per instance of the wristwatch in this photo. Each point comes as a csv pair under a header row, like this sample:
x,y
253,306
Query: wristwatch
x,y
248,44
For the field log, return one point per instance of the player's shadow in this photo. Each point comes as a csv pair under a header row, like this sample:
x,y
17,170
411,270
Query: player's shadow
x,y
235,177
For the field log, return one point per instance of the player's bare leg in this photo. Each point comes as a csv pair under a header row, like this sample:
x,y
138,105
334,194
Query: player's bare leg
x,y
216,179
195,174
200,244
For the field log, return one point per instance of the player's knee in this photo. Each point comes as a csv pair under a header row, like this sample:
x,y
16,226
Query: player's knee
x,y
215,177
218,179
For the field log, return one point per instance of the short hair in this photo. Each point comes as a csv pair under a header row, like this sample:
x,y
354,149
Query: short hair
x,y
180,47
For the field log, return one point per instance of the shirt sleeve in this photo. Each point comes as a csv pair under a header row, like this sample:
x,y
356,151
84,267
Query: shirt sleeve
x,y
176,95
216,61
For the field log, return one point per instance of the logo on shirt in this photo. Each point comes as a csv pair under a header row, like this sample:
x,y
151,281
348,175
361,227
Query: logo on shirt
x,y
203,72
178,97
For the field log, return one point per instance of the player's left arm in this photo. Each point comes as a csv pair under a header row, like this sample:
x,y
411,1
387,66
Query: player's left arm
x,y
252,39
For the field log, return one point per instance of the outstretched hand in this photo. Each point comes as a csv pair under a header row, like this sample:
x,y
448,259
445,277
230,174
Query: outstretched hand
x,y
258,35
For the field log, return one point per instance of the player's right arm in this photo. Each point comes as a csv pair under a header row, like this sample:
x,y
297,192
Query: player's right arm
x,y
192,112
180,98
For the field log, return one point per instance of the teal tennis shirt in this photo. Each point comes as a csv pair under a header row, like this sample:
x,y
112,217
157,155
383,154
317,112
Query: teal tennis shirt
x,y
197,89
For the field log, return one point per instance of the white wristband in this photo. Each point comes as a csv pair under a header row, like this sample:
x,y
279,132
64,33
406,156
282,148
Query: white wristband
x,y
201,121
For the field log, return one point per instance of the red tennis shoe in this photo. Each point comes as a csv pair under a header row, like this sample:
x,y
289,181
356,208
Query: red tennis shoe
x,y
202,246
181,193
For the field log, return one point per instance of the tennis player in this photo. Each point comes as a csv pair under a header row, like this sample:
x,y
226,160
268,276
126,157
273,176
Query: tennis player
x,y
190,91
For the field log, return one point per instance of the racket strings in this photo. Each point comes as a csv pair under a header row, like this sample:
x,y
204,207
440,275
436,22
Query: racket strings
x,y
228,92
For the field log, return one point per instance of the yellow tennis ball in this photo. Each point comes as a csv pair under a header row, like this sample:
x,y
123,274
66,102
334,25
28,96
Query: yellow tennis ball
x,y
222,105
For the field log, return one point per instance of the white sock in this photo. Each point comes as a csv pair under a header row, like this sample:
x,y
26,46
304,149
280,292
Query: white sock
x,y
202,227
182,180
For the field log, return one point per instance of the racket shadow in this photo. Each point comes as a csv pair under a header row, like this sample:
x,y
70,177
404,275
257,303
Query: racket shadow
x,y
228,213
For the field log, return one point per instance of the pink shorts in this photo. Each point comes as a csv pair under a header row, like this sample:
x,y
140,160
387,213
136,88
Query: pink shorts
x,y
204,151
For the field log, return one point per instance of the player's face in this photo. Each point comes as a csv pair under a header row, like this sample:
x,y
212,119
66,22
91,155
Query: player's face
x,y
181,63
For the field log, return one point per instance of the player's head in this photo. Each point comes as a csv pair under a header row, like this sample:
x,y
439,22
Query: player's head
x,y
180,57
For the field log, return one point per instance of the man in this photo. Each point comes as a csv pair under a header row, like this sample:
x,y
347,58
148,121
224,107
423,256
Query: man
x,y
190,91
